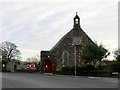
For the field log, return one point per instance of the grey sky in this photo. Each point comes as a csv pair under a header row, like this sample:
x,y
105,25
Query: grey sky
x,y
35,25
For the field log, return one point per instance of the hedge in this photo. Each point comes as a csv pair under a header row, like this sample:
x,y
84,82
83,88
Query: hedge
x,y
87,70
115,67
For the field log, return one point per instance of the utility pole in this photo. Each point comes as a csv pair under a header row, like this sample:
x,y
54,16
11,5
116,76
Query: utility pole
x,y
75,58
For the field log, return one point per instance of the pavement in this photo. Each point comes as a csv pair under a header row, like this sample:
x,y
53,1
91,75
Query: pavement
x,y
73,76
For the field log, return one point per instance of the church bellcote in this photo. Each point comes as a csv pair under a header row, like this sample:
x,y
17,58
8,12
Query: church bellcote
x,y
76,21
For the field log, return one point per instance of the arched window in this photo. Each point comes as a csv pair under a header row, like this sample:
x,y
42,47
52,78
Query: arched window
x,y
65,58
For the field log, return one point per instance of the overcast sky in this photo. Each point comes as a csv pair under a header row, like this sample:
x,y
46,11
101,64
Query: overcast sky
x,y
35,25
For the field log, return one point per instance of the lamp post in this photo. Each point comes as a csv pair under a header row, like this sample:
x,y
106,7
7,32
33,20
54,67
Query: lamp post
x,y
75,58
76,42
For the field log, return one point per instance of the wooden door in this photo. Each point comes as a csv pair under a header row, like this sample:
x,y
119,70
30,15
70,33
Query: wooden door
x,y
48,67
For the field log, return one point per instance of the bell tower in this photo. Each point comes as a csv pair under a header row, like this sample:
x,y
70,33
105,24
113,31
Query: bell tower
x,y
76,21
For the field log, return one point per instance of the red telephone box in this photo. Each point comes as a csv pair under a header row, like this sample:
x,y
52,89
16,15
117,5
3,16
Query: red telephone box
x,y
48,67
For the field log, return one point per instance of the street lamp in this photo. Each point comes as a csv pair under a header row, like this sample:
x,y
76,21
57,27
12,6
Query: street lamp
x,y
76,42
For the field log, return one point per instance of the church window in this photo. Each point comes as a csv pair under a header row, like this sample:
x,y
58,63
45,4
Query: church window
x,y
65,58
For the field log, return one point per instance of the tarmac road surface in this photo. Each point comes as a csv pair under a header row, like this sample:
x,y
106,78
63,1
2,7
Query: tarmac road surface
x,y
24,80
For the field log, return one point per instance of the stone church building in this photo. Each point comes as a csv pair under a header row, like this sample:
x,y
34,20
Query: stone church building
x,y
68,48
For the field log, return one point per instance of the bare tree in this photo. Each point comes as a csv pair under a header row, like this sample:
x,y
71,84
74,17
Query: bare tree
x,y
33,59
9,50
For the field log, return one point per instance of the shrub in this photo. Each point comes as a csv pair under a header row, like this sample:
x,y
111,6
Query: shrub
x,y
79,69
99,67
115,67
66,68
85,70
90,68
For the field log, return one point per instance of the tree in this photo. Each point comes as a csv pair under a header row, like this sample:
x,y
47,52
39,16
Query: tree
x,y
9,51
117,55
33,59
101,53
93,53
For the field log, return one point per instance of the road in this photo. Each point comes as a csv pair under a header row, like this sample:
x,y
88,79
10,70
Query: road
x,y
23,80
